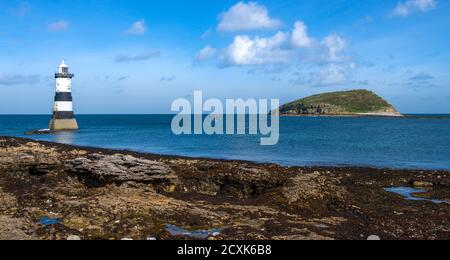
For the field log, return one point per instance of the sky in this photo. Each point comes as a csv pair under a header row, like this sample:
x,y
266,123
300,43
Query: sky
x,y
138,56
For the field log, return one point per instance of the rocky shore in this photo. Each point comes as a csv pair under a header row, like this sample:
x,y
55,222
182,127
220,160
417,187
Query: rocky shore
x,y
54,191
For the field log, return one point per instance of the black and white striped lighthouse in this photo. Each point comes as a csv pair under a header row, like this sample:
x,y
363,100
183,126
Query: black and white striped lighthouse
x,y
63,116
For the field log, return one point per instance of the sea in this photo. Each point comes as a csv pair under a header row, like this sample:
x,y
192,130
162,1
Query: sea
x,y
413,142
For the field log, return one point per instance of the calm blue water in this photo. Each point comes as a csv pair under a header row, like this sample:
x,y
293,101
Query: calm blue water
x,y
408,193
416,143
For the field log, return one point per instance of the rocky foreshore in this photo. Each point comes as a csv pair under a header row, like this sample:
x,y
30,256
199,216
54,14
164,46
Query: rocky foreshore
x,y
59,192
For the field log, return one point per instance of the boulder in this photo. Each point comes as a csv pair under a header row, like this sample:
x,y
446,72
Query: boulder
x,y
100,170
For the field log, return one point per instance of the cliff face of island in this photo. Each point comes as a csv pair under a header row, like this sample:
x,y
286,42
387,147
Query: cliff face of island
x,y
54,191
354,102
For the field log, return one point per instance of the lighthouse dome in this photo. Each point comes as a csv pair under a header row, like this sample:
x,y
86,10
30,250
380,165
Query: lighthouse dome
x,y
63,64
63,71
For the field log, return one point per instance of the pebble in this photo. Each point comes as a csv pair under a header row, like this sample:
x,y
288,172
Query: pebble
x,y
73,238
151,238
421,184
373,238
323,226
127,239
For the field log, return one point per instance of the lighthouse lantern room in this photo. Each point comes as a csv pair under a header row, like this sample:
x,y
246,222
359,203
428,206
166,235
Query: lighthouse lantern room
x,y
63,116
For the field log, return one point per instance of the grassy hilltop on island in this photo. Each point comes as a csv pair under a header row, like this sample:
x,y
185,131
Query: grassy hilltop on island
x,y
354,102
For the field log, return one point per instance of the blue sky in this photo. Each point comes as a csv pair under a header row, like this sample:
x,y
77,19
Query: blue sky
x,y
138,56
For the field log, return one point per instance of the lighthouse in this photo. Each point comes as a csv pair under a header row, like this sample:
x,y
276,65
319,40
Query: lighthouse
x,y
63,116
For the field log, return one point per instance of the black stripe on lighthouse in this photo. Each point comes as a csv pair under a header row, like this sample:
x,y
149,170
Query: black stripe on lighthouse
x,y
63,97
63,115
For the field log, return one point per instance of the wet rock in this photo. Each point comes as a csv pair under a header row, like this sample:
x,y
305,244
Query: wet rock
x,y
40,170
196,234
315,192
373,238
241,182
73,238
99,170
39,132
422,184
11,229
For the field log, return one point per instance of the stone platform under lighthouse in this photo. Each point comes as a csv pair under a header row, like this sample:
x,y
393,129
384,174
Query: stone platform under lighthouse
x,y
63,115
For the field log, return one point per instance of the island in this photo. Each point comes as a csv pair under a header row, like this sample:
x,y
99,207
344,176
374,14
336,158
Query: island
x,y
359,102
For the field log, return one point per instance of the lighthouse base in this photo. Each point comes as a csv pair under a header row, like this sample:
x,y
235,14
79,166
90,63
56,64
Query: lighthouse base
x,y
63,124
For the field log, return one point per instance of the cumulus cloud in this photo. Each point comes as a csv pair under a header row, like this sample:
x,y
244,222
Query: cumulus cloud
x,y
206,53
257,51
404,9
12,80
137,28
318,62
284,48
58,26
335,45
300,38
279,68
139,57
246,16
332,75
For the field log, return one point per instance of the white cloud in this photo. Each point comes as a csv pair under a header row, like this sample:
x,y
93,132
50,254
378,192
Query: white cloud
x,y
257,51
404,9
332,75
139,57
323,62
334,45
246,16
59,26
291,47
300,38
137,28
206,34
206,53
12,80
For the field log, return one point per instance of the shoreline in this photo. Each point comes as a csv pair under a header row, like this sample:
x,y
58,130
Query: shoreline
x,y
113,194
260,163
369,115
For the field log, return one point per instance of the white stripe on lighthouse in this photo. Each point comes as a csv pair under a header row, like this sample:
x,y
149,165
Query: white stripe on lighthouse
x,y
63,106
63,85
